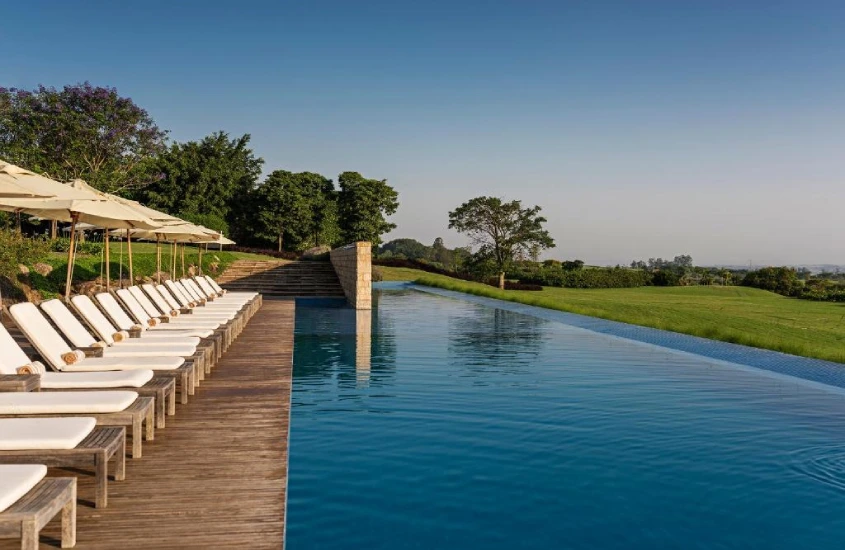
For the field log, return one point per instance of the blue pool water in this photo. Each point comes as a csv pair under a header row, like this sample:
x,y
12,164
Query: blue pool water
x,y
442,424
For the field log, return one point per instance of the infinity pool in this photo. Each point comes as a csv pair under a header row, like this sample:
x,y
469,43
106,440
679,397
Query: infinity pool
x,y
439,424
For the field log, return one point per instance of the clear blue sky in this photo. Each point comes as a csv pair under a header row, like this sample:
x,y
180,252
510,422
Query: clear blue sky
x,y
643,128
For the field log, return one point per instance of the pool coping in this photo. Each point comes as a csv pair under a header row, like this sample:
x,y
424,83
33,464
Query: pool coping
x,y
827,374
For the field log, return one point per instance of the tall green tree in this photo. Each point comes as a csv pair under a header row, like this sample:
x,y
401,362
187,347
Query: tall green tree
x,y
502,230
296,210
81,131
214,177
363,205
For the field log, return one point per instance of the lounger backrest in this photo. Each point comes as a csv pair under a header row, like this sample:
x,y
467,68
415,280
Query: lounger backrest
x,y
205,286
190,291
145,302
70,326
156,298
135,309
43,337
196,288
94,317
213,284
113,309
11,354
168,297
177,293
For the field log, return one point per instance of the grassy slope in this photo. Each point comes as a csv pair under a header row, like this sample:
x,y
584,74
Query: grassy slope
x,y
88,268
731,314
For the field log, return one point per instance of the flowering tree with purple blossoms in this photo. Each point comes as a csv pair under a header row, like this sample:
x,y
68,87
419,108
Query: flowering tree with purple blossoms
x,y
81,131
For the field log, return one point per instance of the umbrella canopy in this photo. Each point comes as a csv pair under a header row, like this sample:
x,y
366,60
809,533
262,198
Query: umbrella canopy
x,y
161,218
184,233
17,183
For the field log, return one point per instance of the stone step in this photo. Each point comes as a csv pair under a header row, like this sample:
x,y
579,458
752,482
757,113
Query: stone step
x,y
283,278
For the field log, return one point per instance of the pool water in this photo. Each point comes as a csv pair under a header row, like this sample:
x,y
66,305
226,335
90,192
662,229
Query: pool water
x,y
436,423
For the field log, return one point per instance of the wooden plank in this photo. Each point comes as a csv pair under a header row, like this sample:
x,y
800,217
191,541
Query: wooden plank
x,y
216,477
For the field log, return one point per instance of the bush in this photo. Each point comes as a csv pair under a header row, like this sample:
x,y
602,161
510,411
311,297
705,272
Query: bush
x,y
16,249
85,247
781,280
551,275
665,277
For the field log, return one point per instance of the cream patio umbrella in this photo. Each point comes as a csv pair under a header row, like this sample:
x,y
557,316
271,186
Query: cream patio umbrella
x,y
76,203
176,233
11,183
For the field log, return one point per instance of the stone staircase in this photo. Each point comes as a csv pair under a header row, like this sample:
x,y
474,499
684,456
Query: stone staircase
x,y
282,278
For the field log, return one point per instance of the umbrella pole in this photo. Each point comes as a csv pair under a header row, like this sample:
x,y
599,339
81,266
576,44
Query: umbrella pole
x,y
129,253
183,260
158,258
74,216
199,253
108,261
173,261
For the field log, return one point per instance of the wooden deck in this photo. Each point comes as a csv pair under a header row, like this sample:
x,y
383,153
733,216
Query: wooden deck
x,y
216,477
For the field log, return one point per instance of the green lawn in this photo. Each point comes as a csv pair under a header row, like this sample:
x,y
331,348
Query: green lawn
x,y
732,314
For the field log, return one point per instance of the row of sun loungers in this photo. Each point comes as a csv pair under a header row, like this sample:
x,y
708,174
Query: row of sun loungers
x,y
110,367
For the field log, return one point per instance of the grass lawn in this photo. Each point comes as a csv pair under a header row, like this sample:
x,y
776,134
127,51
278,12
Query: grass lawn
x,y
732,314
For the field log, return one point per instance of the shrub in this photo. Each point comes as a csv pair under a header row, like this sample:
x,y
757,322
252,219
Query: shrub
x,y
16,249
665,277
86,247
782,280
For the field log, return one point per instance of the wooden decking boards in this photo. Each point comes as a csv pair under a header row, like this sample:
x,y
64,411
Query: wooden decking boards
x,y
216,477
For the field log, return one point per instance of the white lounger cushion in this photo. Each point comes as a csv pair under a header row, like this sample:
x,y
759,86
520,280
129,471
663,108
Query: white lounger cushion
x,y
115,312
96,380
75,402
11,354
145,302
92,364
136,348
70,326
16,480
40,333
25,434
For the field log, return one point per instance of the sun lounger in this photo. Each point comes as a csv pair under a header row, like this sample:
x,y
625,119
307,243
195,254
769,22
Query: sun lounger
x,y
28,502
79,336
55,351
66,443
163,389
221,331
109,408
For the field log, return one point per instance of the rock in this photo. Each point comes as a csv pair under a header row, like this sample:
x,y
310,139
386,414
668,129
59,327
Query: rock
x,y
89,287
23,269
43,269
213,267
316,251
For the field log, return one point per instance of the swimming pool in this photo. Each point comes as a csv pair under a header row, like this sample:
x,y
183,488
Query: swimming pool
x,y
438,423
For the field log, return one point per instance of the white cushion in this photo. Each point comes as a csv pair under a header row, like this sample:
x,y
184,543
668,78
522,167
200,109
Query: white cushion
x,y
96,380
16,480
24,434
40,333
95,318
90,364
179,331
178,293
11,354
76,402
137,311
168,297
137,348
155,297
145,302
113,309
70,326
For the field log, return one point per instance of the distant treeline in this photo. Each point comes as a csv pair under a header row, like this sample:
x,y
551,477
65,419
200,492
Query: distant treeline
x,y
788,281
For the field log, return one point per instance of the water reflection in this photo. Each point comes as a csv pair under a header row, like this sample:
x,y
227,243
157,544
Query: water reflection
x,y
363,347
486,338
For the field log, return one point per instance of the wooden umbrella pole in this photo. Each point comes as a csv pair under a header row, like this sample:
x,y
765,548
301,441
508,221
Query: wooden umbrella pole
x,y
199,260
108,260
129,253
158,258
173,261
183,260
74,216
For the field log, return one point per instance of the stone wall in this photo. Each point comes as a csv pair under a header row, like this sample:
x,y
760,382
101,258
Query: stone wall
x,y
353,264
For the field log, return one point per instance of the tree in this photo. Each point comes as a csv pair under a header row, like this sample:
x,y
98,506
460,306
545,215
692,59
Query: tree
x,y
503,230
283,209
80,131
214,177
362,207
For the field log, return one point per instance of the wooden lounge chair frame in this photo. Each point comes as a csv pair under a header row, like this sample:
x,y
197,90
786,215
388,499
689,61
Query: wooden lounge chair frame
x,y
100,446
137,416
25,518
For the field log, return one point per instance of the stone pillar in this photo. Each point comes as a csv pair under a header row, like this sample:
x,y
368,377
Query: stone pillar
x,y
353,264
